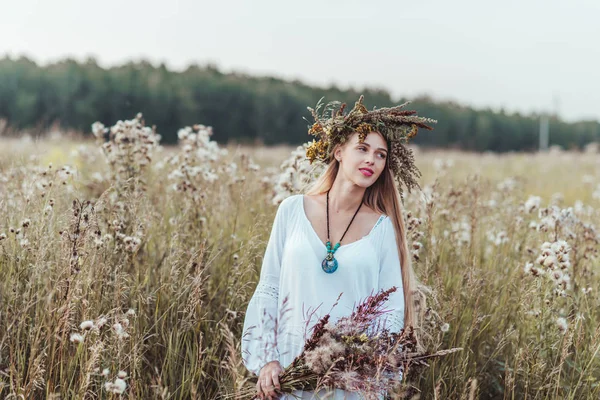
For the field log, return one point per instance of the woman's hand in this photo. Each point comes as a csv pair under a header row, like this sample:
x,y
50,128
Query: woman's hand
x,y
268,380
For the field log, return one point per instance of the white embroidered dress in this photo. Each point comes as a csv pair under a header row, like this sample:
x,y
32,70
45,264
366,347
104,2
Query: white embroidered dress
x,y
291,268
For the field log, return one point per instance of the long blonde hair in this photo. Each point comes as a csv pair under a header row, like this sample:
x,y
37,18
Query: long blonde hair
x,y
384,197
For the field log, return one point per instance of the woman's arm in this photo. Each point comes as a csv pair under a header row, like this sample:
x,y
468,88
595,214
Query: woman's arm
x,y
259,339
390,275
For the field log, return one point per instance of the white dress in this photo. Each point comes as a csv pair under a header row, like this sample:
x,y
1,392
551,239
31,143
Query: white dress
x,y
292,284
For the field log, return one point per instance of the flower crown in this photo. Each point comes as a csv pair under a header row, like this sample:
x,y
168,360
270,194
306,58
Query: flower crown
x,y
332,126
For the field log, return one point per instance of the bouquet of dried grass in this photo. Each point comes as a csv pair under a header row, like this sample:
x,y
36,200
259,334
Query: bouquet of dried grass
x,y
356,354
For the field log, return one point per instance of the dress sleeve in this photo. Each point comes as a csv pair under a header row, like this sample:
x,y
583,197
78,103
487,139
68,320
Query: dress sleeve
x,y
259,338
391,275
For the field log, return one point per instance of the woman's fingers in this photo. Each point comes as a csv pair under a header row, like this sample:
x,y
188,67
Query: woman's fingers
x,y
275,378
268,382
259,390
268,387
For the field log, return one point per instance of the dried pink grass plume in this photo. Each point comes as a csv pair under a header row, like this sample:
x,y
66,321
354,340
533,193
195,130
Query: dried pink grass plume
x,y
355,354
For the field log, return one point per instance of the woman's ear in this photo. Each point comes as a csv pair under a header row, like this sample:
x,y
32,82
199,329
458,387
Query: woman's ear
x,y
338,154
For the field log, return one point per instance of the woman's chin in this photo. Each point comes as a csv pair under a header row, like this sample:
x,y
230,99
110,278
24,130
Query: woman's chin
x,y
364,183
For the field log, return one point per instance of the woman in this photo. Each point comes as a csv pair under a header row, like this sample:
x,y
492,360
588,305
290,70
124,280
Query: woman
x,y
345,236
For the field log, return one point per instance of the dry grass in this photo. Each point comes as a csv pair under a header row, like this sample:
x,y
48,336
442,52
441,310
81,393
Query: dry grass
x,y
176,268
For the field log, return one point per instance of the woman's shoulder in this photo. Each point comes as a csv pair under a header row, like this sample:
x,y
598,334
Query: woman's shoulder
x,y
290,199
290,203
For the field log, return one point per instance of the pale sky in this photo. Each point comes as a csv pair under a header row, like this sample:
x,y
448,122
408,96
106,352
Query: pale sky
x,y
526,55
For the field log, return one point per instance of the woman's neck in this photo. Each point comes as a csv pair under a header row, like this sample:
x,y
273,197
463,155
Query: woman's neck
x,y
345,197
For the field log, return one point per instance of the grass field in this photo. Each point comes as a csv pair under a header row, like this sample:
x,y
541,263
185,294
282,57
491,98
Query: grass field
x,y
125,271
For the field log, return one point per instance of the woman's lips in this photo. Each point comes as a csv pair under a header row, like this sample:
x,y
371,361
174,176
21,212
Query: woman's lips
x,y
366,172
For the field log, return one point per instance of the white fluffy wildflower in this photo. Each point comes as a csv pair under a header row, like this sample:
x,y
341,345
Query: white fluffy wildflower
x,y
564,282
497,238
429,196
105,372
120,331
183,134
550,261
461,232
97,176
176,174
445,327
596,193
553,261
532,204
122,374
194,163
98,243
556,275
130,312
347,379
210,177
534,225
546,224
320,359
100,322
588,179
130,148
583,210
132,243
561,324
567,215
534,313
118,386
442,165
296,173
85,325
560,246
557,198
76,338
558,292
65,172
507,184
98,129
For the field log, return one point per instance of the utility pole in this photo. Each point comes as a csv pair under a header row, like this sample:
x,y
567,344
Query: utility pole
x,y
544,131
545,123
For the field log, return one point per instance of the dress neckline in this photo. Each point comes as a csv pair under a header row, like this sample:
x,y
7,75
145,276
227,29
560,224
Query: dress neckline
x,y
310,227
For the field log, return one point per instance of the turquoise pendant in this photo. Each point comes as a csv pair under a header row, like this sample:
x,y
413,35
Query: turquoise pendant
x,y
330,264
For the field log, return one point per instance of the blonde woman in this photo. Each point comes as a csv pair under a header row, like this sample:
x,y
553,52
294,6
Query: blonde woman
x,y
345,235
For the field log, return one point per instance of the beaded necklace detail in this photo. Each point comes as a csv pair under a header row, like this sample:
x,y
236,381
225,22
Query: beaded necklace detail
x,y
330,264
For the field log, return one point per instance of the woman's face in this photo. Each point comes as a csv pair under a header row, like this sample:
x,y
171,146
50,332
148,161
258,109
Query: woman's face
x,y
363,163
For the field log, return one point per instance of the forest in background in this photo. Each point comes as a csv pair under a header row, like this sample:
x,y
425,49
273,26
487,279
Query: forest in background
x,y
240,108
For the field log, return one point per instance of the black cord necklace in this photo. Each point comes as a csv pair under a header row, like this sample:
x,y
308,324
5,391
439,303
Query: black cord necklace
x,y
330,264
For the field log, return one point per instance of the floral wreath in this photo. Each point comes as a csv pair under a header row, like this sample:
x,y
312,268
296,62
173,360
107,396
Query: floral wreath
x,y
332,126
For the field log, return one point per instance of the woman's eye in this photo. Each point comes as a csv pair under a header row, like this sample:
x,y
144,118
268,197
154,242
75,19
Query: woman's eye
x,y
362,148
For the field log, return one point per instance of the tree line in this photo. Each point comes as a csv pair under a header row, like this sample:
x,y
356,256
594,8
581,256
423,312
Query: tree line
x,y
239,107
